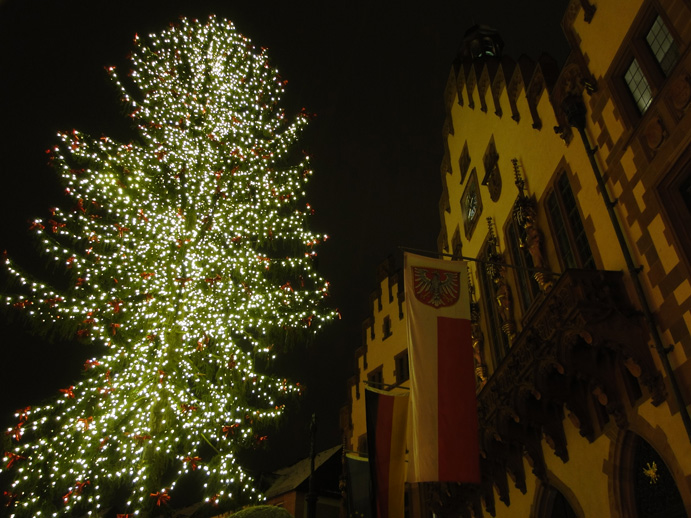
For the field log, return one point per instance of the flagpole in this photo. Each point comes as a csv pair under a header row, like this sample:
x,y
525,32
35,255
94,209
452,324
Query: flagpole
x,y
312,494
481,261
384,385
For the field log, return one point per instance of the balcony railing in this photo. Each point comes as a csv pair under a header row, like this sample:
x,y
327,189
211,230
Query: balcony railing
x,y
583,354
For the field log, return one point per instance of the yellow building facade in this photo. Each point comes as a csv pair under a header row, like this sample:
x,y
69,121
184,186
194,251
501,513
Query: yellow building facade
x,y
382,359
579,415
569,190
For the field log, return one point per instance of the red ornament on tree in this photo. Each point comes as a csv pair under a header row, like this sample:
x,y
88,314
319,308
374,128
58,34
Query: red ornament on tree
x,y
161,497
192,461
69,391
12,458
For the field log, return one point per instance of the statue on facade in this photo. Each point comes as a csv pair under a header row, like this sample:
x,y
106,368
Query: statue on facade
x,y
525,212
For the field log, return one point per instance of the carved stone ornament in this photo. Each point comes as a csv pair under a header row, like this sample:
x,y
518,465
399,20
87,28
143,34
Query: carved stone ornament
x,y
583,354
680,92
477,338
655,133
573,80
494,184
492,178
575,6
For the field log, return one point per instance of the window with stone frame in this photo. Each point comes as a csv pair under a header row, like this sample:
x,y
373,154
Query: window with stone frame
x,y
647,486
675,195
386,327
638,85
645,61
662,45
402,367
570,238
375,377
471,204
552,504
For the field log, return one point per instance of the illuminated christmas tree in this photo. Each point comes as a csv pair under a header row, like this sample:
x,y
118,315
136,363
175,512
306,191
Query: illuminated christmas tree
x,y
187,258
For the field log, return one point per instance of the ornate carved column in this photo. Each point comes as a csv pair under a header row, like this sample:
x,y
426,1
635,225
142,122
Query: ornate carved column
x,y
502,292
477,338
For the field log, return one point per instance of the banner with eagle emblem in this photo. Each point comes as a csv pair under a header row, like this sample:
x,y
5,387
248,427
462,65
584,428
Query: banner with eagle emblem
x,y
443,412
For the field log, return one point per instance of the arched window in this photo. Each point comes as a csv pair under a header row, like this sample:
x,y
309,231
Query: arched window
x,y
551,503
648,489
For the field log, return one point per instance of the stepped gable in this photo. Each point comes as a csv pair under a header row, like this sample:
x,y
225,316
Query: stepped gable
x,y
483,81
385,271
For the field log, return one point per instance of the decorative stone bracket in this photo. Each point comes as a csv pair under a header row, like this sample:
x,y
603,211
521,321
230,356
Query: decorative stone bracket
x,y
583,353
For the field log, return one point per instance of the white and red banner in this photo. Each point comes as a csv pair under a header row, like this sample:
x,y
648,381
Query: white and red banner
x,y
443,408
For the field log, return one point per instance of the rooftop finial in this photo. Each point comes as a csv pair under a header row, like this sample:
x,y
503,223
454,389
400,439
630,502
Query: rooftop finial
x,y
481,41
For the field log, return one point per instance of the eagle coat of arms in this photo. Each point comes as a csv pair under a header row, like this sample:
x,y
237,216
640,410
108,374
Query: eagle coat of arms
x,y
436,288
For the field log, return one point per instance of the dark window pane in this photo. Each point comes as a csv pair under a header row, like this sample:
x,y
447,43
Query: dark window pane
x,y
686,192
402,368
572,241
656,495
576,225
386,327
560,233
376,377
560,507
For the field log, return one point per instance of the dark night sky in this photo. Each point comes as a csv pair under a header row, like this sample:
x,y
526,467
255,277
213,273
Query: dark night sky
x,y
374,72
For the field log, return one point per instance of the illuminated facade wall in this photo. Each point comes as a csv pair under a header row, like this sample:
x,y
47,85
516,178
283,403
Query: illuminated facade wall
x,y
590,418
577,412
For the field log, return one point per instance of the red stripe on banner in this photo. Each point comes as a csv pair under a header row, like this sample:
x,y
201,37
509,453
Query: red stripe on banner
x,y
383,449
459,449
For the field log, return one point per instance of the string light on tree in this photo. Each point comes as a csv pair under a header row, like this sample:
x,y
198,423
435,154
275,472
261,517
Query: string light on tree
x,y
187,254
